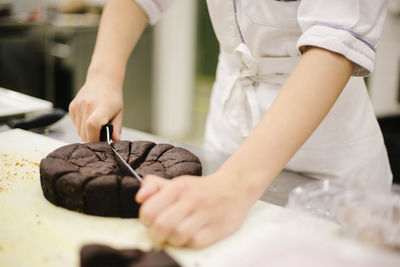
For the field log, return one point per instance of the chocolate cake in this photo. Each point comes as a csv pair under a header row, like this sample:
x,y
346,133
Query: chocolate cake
x,y
86,177
104,256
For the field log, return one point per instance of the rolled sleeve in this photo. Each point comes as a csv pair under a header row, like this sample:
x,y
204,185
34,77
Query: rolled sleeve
x,y
349,27
154,8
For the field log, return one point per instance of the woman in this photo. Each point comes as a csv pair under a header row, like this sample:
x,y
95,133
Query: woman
x,y
284,97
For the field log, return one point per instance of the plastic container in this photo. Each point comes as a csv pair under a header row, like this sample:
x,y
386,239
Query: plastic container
x,y
368,216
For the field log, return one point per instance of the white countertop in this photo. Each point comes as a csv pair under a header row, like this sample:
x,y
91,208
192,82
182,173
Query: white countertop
x,y
34,232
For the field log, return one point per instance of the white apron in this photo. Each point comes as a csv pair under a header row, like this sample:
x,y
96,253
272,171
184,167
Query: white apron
x,y
257,53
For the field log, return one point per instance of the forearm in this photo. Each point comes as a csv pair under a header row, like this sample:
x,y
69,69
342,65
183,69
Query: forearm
x,y
121,26
303,102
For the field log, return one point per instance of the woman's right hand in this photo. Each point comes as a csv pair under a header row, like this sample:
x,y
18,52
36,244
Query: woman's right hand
x,y
100,99
97,102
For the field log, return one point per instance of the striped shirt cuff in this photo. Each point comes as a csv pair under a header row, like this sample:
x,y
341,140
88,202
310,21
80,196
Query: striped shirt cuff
x,y
343,41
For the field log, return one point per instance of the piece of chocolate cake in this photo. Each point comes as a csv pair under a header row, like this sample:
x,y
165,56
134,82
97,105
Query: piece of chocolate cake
x,y
86,177
104,256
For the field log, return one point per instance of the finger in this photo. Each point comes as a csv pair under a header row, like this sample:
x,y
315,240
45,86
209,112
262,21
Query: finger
x,y
153,206
71,110
187,228
216,230
80,120
74,116
206,236
89,109
151,184
83,125
93,125
117,124
169,219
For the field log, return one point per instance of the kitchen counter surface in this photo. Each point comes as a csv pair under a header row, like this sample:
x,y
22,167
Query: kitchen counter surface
x,y
277,192
34,232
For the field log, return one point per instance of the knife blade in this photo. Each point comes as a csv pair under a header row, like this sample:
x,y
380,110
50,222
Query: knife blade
x,y
105,135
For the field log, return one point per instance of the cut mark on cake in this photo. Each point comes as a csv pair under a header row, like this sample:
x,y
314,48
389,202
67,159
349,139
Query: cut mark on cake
x,y
76,147
119,181
140,157
159,156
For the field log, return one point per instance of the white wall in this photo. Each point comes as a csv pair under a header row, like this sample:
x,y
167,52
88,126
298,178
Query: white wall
x,y
174,70
384,83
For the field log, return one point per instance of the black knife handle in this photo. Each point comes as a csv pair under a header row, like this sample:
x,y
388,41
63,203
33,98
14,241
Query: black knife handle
x,y
103,132
39,121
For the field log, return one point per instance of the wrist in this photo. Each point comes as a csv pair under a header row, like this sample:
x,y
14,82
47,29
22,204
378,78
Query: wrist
x,y
247,184
113,78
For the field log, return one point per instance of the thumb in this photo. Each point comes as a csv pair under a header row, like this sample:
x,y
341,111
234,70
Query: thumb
x,y
151,184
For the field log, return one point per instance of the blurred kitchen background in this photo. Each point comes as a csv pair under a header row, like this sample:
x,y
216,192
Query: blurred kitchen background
x,y
46,46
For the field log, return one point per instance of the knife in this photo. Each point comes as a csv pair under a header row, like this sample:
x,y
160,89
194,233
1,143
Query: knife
x,y
39,121
36,123
105,135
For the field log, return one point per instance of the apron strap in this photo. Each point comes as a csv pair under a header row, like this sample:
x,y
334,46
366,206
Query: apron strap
x,y
240,104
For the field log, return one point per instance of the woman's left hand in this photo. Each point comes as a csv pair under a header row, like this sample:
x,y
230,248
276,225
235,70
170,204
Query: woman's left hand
x,y
191,211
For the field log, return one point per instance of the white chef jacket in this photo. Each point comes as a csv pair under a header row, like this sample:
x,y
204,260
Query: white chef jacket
x,y
260,42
